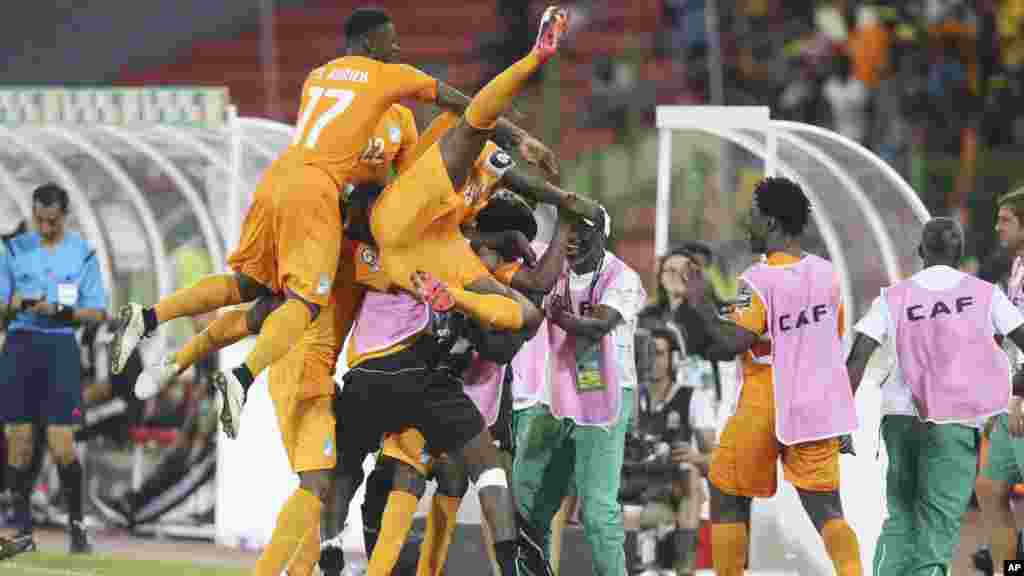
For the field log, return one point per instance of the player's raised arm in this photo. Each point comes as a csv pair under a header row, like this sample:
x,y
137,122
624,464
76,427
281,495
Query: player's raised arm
x,y
526,184
733,338
542,279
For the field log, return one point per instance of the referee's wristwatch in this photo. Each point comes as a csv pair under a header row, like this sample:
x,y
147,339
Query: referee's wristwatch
x,y
64,313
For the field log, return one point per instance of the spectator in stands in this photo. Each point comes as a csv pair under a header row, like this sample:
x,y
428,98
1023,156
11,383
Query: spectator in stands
x,y
848,99
890,134
671,289
671,309
50,280
869,47
947,89
614,91
681,416
512,41
685,26
830,19
801,99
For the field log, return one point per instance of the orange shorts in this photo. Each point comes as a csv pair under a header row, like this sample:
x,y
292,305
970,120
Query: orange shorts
x,y
291,236
306,421
743,464
408,447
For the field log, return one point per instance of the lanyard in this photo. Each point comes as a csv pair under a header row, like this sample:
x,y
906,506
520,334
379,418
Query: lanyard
x,y
587,305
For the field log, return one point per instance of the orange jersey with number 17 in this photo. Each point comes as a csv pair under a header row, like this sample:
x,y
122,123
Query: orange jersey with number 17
x,y
342,103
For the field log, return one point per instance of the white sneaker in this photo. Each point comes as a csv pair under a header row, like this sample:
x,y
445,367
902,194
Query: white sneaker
x,y
153,379
130,330
232,397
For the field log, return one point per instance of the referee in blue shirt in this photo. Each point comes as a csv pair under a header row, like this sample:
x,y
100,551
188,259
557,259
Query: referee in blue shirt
x,y
49,283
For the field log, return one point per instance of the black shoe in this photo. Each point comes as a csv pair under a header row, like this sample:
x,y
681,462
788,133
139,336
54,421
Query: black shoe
x,y
332,560
530,556
23,542
983,562
79,539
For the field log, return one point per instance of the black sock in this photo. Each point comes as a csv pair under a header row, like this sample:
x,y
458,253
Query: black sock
x,y
71,483
149,320
506,553
10,478
370,539
244,377
22,483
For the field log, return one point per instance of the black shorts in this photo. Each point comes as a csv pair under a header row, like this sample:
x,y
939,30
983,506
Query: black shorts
x,y
404,390
40,379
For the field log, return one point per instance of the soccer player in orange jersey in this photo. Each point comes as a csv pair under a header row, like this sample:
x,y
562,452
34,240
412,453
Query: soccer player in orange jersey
x,y
407,219
301,384
391,147
743,465
398,482
291,236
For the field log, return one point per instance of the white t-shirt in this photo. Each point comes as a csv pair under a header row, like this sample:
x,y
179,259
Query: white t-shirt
x,y
849,100
878,325
625,295
1015,354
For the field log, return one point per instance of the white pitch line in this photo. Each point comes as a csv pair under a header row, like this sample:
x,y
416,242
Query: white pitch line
x,y
40,570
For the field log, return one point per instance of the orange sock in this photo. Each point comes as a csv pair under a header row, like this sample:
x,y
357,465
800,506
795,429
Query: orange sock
x,y
492,100
444,122
298,521
729,548
842,547
281,331
491,310
394,527
307,556
224,331
440,528
207,295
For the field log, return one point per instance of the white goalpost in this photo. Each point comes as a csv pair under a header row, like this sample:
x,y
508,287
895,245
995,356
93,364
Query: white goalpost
x,y
869,220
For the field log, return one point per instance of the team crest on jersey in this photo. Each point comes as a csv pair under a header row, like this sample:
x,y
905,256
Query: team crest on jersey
x,y
395,133
500,161
369,257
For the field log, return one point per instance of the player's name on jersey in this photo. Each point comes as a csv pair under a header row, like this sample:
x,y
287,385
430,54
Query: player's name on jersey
x,y
184,106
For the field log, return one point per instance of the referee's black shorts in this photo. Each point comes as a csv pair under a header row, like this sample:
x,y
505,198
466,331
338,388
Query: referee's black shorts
x,y
404,390
40,379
